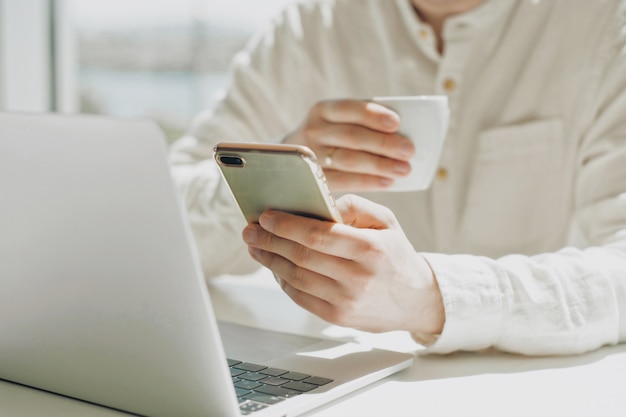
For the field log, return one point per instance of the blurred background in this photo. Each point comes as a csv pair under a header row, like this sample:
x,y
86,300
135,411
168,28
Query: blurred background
x,y
161,59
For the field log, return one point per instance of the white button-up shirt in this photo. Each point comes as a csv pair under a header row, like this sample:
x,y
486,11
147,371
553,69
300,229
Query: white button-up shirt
x,y
525,222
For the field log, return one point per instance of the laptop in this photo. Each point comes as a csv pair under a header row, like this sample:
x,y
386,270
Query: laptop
x,y
102,297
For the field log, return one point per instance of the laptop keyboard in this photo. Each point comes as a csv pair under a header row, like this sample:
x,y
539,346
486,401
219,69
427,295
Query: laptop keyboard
x,y
258,386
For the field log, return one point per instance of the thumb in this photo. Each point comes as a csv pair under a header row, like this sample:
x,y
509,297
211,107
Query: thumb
x,y
365,214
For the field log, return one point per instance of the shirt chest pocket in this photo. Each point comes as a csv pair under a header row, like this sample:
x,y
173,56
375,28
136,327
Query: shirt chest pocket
x,y
517,197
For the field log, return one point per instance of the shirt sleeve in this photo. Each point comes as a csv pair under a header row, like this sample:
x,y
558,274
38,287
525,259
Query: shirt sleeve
x,y
569,301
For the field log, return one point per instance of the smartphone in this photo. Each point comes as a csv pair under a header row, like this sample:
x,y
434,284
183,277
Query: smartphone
x,y
282,177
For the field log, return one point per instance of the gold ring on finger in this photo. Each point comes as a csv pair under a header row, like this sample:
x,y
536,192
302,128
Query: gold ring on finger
x,y
328,159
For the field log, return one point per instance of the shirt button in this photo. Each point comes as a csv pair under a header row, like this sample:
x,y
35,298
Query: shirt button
x,y
449,85
423,34
442,173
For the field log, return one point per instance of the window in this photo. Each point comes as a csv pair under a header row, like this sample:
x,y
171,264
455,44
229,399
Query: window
x,y
162,59
25,61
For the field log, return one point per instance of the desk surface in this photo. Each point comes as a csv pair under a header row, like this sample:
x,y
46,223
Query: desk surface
x,y
485,384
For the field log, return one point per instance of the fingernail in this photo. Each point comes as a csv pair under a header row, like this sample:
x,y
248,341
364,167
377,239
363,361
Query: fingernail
x,y
267,221
390,121
401,168
407,149
249,235
255,253
385,182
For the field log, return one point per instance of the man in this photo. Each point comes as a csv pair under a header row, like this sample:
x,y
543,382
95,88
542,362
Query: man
x,y
519,244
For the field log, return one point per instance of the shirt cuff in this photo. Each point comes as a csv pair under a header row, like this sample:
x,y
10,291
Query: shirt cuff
x,y
473,303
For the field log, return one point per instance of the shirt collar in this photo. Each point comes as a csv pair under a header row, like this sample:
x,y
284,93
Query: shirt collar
x,y
482,16
487,16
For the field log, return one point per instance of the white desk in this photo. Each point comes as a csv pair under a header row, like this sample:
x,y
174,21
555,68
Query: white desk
x,y
464,384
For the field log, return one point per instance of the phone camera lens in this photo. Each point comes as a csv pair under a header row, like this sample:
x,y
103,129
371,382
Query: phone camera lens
x,y
231,160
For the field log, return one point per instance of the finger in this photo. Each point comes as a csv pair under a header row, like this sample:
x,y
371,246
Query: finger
x,y
355,137
362,213
302,258
309,292
309,286
348,181
367,163
317,306
329,238
368,114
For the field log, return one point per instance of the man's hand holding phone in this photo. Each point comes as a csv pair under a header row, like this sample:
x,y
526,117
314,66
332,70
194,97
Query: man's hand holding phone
x,y
363,273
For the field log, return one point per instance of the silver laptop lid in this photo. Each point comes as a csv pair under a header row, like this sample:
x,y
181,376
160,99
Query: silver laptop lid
x,y
89,225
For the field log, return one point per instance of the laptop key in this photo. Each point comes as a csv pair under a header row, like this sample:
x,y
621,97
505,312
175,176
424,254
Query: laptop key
x,y
252,367
252,376
250,385
295,376
232,362
278,391
273,371
299,386
236,372
274,380
240,392
249,407
317,380
264,398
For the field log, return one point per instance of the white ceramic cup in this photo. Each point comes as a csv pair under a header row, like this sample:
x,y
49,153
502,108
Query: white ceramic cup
x,y
424,120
